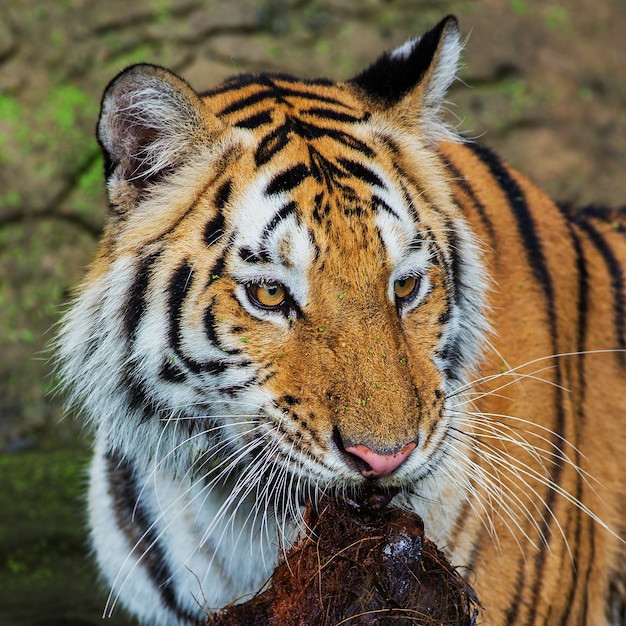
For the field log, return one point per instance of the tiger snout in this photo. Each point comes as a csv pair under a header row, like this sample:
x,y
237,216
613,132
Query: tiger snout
x,y
370,461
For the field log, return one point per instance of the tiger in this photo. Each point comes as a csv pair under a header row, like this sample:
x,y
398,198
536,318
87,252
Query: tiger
x,y
308,287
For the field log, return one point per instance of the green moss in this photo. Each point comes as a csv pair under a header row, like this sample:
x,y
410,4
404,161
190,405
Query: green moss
x,y
557,17
42,522
9,109
55,126
43,555
520,7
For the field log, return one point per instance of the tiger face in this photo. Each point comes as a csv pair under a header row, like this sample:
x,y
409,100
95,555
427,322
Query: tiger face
x,y
332,351
308,286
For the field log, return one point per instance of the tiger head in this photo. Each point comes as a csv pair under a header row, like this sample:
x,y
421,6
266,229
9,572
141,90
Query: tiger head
x,y
285,288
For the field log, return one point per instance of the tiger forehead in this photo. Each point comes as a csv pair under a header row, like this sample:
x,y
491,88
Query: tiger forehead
x,y
250,101
320,165
279,111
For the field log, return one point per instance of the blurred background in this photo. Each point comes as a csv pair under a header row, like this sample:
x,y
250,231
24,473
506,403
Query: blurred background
x,y
543,83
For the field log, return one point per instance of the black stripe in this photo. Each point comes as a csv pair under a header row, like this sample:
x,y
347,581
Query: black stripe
x,y
362,172
450,352
218,268
321,210
271,91
135,521
350,142
615,217
136,301
581,580
214,229
586,583
210,328
287,180
467,188
223,194
417,189
138,397
242,81
537,262
616,601
408,201
281,92
171,373
234,391
248,255
322,170
276,140
379,203
336,116
90,347
309,131
254,121
616,273
583,312
285,211
526,226
209,324
584,297
454,265
417,242
271,145
248,101
179,286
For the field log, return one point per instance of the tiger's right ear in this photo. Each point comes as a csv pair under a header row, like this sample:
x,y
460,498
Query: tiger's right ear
x,y
151,122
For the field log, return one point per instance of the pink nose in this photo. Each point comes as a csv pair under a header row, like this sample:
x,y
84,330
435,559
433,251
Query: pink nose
x,y
379,465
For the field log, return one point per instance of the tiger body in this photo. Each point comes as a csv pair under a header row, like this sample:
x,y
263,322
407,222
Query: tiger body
x,y
305,286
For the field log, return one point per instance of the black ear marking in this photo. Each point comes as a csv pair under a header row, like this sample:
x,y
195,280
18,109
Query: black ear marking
x,y
395,74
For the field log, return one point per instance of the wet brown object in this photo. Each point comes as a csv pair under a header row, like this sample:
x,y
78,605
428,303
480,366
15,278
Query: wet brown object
x,y
363,564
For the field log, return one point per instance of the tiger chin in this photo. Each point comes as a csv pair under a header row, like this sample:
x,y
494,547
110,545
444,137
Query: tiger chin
x,y
306,287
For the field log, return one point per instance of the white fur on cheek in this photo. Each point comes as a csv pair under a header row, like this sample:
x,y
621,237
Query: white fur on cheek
x,y
287,248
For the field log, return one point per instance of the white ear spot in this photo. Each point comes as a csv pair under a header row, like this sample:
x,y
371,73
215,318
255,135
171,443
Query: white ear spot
x,y
403,52
446,67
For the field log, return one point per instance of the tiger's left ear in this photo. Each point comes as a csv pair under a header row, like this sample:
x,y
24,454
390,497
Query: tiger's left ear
x,y
411,81
151,123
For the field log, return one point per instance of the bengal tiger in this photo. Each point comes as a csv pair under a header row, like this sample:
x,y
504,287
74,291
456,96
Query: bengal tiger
x,y
305,287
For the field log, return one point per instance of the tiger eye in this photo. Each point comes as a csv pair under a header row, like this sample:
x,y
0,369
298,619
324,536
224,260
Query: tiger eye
x,y
268,295
404,288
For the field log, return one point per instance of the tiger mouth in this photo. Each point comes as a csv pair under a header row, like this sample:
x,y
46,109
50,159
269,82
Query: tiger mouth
x,y
373,497
365,506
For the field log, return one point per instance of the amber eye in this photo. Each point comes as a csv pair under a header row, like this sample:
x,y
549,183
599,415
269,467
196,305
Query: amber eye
x,y
405,288
267,295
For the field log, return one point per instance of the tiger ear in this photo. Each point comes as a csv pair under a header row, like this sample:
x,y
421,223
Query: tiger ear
x,y
151,122
412,80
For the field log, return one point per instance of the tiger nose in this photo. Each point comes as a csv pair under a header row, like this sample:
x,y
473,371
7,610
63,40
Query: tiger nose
x,y
374,465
